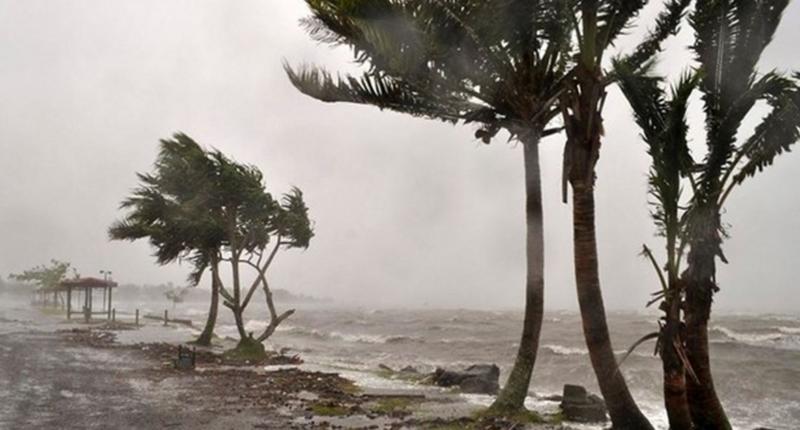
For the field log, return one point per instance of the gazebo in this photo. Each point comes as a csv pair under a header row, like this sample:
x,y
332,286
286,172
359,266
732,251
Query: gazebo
x,y
88,286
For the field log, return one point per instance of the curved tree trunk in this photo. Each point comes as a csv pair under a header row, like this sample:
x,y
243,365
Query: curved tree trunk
x,y
208,331
705,407
237,309
512,396
621,406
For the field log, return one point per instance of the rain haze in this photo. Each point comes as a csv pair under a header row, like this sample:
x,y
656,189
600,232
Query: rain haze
x,y
408,212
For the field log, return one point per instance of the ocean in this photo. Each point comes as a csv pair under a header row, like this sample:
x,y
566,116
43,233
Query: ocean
x,y
755,358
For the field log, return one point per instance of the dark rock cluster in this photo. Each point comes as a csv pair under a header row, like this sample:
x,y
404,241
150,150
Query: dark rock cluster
x,y
579,406
476,379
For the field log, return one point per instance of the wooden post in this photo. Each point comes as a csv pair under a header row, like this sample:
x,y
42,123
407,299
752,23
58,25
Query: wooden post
x,y
87,307
69,301
109,301
166,317
137,316
113,315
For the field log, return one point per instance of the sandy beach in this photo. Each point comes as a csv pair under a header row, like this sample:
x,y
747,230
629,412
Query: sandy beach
x,y
56,374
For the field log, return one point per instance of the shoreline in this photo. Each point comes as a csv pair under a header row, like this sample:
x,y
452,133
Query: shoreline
x,y
139,383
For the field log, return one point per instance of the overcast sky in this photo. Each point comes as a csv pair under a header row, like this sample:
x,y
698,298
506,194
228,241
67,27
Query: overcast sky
x,y
408,212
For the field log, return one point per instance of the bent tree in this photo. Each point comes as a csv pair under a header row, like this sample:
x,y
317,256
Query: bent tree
x,y
662,121
496,63
730,37
170,207
596,26
202,206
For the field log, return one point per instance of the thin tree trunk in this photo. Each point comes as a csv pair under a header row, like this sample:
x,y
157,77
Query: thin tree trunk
x,y
237,309
512,396
705,407
208,331
621,406
675,399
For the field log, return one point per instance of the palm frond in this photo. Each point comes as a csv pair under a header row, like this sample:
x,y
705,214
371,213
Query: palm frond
x,y
776,133
667,24
641,340
380,91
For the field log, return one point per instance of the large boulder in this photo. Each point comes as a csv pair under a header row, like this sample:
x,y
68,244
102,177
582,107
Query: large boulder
x,y
579,406
476,379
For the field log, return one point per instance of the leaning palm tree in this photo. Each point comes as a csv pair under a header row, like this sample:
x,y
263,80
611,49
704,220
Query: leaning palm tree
x,y
171,208
729,39
596,25
664,130
496,63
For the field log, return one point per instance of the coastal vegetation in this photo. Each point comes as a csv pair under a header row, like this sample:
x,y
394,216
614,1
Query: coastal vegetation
x,y
528,70
505,66
515,66
504,75
201,206
45,276
729,40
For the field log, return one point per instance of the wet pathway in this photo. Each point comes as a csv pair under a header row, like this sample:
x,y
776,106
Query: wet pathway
x,y
47,384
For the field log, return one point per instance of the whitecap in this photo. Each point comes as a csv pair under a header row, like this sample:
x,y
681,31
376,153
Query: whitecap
x,y
748,337
789,330
565,350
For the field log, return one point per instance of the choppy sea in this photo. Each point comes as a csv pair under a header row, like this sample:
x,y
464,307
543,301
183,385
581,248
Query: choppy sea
x,y
755,358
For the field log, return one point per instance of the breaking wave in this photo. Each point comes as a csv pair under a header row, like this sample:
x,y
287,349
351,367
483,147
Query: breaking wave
x,y
565,350
747,337
789,330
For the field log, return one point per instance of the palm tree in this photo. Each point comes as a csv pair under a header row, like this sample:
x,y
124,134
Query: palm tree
x,y
729,39
170,207
253,221
596,25
664,129
496,63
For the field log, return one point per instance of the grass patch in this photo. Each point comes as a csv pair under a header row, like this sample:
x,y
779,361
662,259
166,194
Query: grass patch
x,y
329,410
556,418
393,404
247,349
348,387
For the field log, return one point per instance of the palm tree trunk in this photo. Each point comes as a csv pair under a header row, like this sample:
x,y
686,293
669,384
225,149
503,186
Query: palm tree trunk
x,y
705,407
208,331
512,396
675,399
621,406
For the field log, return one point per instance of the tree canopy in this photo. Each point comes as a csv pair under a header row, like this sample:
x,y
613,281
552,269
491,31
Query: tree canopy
x,y
202,206
48,277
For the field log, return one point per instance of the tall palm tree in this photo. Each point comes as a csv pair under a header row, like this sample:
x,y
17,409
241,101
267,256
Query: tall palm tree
x,y
496,63
664,130
171,208
596,25
729,39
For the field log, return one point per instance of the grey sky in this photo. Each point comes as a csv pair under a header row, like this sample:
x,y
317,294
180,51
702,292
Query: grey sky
x,y
408,211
